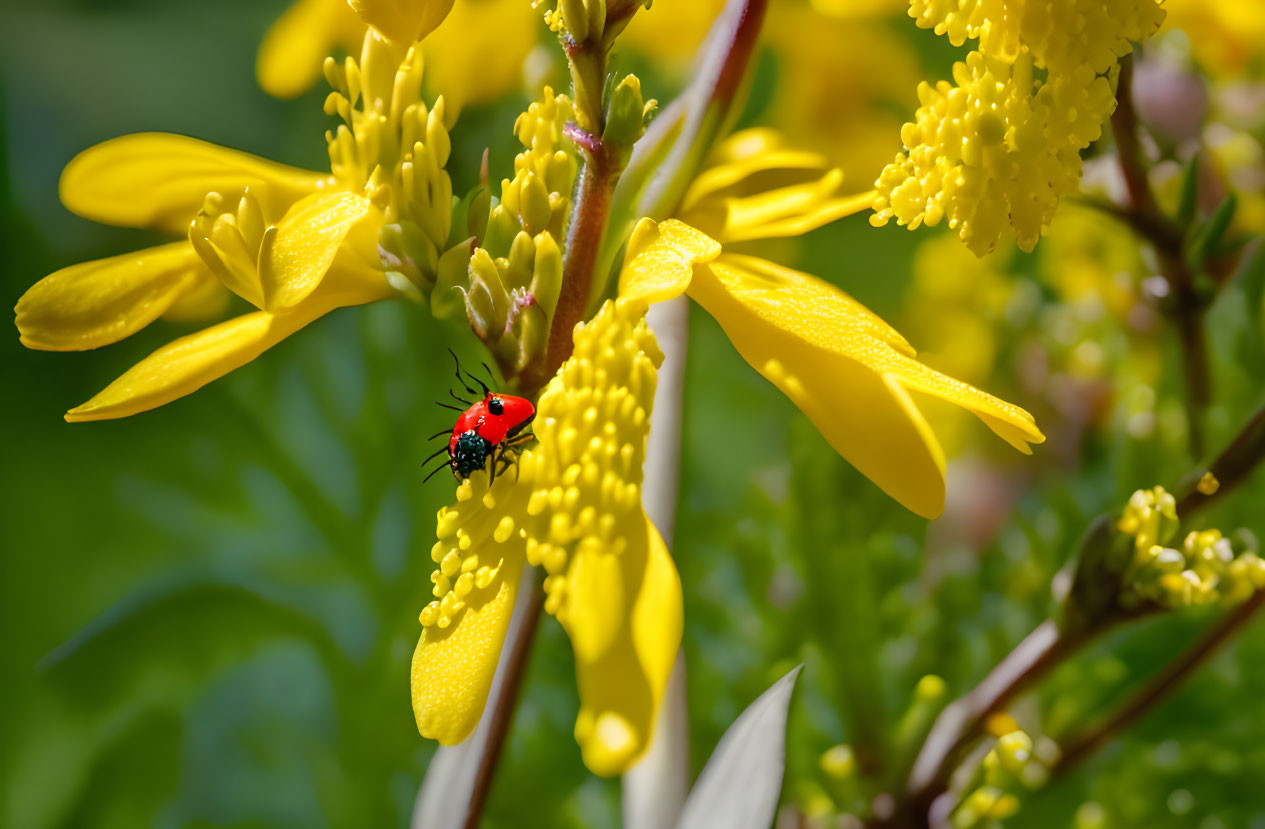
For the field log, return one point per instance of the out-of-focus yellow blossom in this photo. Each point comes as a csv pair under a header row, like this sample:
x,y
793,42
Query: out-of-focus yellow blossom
x,y
1205,569
295,244
403,21
573,507
1225,38
829,94
1000,145
475,55
671,30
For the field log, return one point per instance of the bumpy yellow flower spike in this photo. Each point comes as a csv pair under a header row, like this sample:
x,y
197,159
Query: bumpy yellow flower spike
x,y
295,244
573,507
1001,145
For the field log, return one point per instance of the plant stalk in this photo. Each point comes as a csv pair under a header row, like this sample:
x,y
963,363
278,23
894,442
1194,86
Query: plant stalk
x,y
1150,223
1080,747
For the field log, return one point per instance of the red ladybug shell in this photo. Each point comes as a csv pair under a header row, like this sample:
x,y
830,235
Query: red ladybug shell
x,y
482,419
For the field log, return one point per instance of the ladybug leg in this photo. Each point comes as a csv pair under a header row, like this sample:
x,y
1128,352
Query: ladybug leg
x,y
491,463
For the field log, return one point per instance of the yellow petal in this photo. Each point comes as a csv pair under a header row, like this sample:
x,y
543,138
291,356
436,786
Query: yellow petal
x,y
477,55
96,303
622,684
659,263
188,364
403,21
291,55
480,563
297,256
160,180
206,300
848,372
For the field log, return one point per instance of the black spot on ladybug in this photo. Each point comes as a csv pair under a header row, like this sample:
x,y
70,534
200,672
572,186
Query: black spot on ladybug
x,y
496,407
470,454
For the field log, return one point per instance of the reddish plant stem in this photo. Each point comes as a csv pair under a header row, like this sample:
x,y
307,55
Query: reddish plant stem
x,y
1149,222
503,712
1161,685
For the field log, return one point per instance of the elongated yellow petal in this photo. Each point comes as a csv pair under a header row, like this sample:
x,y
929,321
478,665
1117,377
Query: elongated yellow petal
x,y
753,188
96,303
480,558
403,21
611,582
189,363
847,373
622,683
159,180
206,300
297,256
660,260
292,52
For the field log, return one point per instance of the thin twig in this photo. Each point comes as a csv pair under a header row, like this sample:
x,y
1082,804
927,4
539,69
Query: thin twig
x,y
962,720
1231,468
1149,222
1161,685
502,711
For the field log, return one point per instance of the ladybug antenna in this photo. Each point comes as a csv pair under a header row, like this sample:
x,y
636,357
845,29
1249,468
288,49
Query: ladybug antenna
x,y
441,404
457,363
454,396
433,472
441,433
434,455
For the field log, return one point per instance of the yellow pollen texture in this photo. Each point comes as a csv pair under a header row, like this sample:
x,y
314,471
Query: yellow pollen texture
x,y
999,146
593,421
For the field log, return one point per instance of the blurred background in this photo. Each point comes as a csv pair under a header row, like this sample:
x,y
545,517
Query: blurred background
x,y
209,609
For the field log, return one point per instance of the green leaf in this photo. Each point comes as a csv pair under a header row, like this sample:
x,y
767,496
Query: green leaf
x,y
168,642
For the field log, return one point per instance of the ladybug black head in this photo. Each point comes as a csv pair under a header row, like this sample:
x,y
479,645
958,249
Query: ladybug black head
x,y
496,407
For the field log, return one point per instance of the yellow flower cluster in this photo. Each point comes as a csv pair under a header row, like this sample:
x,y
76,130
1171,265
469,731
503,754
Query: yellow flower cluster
x,y
1001,144
572,507
1206,569
516,275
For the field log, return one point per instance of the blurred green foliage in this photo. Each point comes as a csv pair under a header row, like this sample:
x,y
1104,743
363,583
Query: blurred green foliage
x,y
210,608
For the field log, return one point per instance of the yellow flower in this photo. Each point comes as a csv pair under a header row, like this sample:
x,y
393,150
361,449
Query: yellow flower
x,y
1225,37
573,507
403,21
1001,145
474,56
295,244
845,368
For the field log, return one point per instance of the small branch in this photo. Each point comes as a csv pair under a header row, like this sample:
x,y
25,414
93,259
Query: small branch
x,y
502,712
1150,223
962,721
591,206
1161,685
1231,468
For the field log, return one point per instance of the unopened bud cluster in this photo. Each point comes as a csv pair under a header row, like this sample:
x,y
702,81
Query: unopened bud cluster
x,y
1010,768
393,148
511,280
592,21
1204,568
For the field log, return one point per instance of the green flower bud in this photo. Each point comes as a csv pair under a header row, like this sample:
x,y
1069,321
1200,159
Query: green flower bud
x,y
625,118
546,280
518,271
533,337
838,762
447,297
534,209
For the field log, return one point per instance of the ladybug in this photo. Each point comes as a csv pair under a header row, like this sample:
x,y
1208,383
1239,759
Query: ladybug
x,y
487,430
